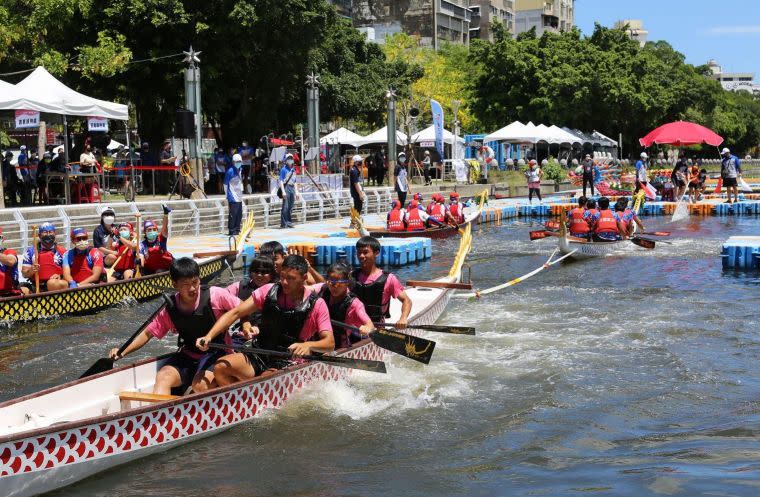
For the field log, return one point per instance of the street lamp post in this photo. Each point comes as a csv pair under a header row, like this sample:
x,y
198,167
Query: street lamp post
x,y
455,104
312,111
193,103
390,95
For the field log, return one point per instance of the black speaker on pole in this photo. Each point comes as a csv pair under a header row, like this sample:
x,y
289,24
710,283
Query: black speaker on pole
x,y
184,126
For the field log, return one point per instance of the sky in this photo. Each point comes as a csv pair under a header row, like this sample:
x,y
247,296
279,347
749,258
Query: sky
x,y
727,30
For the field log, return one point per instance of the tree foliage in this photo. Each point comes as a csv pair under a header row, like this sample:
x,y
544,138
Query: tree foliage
x,y
603,82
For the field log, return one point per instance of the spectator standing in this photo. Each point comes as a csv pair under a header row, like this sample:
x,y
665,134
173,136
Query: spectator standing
x,y
246,152
220,167
233,185
588,173
402,183
287,188
380,167
533,174
87,161
10,179
641,172
355,184
426,167
730,171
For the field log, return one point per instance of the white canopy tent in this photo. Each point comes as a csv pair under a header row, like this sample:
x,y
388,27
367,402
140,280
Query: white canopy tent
x,y
41,91
428,135
381,136
342,136
563,136
515,132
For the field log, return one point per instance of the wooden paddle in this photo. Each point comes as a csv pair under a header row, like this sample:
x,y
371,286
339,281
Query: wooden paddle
x,y
643,242
439,284
201,255
106,363
657,233
110,270
35,241
137,249
344,362
416,348
439,328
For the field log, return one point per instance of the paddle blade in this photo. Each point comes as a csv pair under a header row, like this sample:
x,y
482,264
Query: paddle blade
x,y
101,365
657,233
440,328
681,212
537,235
350,362
415,348
643,242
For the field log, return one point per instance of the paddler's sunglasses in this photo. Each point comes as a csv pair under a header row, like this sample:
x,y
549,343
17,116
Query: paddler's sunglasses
x,y
337,282
80,238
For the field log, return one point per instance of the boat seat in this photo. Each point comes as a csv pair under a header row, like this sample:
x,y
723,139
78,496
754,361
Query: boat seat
x,y
146,397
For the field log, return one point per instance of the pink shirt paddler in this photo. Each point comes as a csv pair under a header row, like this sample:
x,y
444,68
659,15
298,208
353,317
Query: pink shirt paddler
x,y
393,287
221,301
319,317
356,315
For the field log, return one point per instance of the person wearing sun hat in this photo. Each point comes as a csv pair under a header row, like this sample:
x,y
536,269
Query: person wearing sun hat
x,y
83,264
154,254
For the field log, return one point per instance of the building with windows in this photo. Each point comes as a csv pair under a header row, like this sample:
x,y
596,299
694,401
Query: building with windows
x,y
635,30
733,81
485,12
433,21
544,15
343,7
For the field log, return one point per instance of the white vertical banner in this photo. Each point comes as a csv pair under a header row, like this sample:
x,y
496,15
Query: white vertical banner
x,y
27,119
95,123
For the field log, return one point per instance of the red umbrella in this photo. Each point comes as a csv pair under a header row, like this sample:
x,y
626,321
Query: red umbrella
x,y
681,134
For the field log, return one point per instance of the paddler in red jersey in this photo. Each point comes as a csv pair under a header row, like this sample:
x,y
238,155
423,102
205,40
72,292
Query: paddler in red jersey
x,y
9,286
83,264
189,313
343,305
415,217
154,254
375,287
607,228
293,317
456,210
125,247
437,210
577,222
626,217
396,217
49,262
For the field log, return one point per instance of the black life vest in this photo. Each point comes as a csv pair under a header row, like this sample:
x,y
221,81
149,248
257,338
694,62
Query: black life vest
x,y
191,327
337,312
245,290
280,328
371,295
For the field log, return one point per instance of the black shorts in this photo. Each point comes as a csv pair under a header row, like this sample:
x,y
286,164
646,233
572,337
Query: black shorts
x,y
188,367
246,171
606,237
30,286
678,182
729,182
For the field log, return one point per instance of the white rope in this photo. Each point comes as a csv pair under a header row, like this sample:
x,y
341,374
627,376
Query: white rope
x,y
549,262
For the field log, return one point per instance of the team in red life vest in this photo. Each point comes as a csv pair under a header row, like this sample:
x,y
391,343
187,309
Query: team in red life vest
x,y
396,217
576,220
437,210
125,247
83,264
49,263
154,254
607,228
456,210
8,270
415,217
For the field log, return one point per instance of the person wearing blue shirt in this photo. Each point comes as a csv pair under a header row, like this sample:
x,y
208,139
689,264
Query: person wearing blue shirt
x,y
246,152
233,186
641,172
287,188
730,171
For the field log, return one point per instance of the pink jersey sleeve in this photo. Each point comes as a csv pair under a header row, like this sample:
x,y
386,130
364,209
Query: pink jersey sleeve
x,y
161,324
222,301
234,289
356,315
260,294
393,288
319,320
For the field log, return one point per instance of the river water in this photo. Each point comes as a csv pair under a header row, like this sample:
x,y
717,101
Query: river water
x,y
629,375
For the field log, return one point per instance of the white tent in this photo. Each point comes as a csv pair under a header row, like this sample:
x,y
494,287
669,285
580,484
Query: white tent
x,y
41,91
515,132
342,136
428,135
381,136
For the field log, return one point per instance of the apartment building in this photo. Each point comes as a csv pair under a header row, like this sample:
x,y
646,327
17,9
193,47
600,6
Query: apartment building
x,y
544,15
634,28
486,12
733,81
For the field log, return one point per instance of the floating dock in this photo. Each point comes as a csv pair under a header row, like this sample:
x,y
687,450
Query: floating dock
x,y
741,253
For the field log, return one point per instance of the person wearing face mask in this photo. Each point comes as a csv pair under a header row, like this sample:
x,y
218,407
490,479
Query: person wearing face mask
x,y
402,184
49,263
83,264
154,255
105,236
233,186
9,286
125,246
287,191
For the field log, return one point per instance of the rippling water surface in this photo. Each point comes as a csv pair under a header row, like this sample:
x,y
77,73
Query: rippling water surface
x,y
630,375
